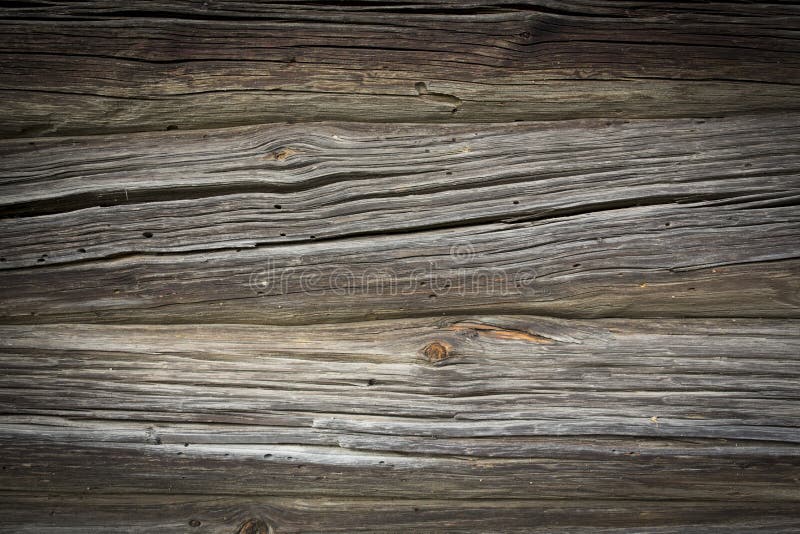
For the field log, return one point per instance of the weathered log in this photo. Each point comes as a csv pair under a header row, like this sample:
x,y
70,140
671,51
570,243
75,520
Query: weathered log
x,y
518,407
92,67
642,219
226,514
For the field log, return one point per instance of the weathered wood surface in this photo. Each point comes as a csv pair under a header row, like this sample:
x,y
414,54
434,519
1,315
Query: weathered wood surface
x,y
647,218
182,513
432,319
541,411
271,185
88,67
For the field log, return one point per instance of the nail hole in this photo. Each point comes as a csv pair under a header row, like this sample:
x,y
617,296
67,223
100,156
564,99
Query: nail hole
x,y
283,235
371,382
172,127
147,234
516,202
82,250
576,264
277,206
194,523
267,456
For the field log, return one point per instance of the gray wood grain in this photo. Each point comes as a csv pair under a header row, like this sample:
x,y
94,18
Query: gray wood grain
x,y
264,515
440,318
96,197
642,219
519,407
90,67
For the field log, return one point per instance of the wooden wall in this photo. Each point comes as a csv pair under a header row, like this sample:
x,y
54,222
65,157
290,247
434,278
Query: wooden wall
x,y
440,266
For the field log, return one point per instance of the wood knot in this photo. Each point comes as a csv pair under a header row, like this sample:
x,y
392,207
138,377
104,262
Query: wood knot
x,y
281,155
436,351
254,526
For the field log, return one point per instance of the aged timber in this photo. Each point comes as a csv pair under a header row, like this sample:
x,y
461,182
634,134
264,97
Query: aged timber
x,y
91,67
399,267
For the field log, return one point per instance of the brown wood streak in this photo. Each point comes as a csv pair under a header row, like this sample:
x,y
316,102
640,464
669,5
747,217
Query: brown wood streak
x,y
483,329
89,67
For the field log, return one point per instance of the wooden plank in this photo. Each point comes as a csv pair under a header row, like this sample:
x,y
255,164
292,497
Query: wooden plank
x,y
24,513
514,407
91,67
649,218
273,185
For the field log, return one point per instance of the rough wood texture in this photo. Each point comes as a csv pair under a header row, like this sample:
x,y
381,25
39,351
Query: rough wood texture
x,y
88,67
519,407
585,219
445,316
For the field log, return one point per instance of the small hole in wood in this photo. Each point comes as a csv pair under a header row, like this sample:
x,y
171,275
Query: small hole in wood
x,y
516,202
194,523
371,382
267,456
667,224
172,127
283,235
82,250
40,260
313,237
277,206
576,264
147,234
